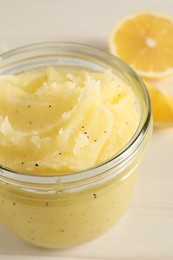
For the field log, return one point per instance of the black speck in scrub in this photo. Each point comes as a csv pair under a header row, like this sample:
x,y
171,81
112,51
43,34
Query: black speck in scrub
x,y
95,196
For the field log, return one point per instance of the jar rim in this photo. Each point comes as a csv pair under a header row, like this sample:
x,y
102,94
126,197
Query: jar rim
x,y
128,150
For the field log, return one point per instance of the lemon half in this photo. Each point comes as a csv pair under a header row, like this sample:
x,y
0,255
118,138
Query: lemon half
x,y
144,40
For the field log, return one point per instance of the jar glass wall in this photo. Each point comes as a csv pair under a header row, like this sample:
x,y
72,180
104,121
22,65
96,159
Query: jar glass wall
x,y
58,211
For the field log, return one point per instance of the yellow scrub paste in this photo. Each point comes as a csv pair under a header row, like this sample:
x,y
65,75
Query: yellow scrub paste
x,y
58,122
63,121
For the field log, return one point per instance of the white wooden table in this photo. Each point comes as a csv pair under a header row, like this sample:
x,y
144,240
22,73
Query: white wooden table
x,y
146,230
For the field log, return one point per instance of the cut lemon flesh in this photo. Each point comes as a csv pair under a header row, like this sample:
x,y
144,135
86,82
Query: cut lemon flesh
x,y
145,42
162,106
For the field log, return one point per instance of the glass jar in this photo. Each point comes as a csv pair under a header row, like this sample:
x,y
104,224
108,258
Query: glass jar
x,y
64,210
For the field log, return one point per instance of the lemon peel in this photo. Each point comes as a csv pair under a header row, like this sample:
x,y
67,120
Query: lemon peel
x,y
162,105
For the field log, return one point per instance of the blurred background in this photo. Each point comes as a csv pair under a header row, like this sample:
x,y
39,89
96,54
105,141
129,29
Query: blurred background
x,y
86,21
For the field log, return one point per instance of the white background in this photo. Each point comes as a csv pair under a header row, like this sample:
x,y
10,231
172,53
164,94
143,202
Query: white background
x,y
146,230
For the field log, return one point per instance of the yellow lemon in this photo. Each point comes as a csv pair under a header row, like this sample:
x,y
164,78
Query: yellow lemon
x,y
162,105
145,41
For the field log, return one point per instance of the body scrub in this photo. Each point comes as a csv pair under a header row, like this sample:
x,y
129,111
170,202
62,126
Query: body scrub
x,y
74,125
54,121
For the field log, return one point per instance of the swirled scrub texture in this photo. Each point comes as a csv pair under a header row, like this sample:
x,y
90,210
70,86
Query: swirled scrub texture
x,y
63,121
54,122
57,121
